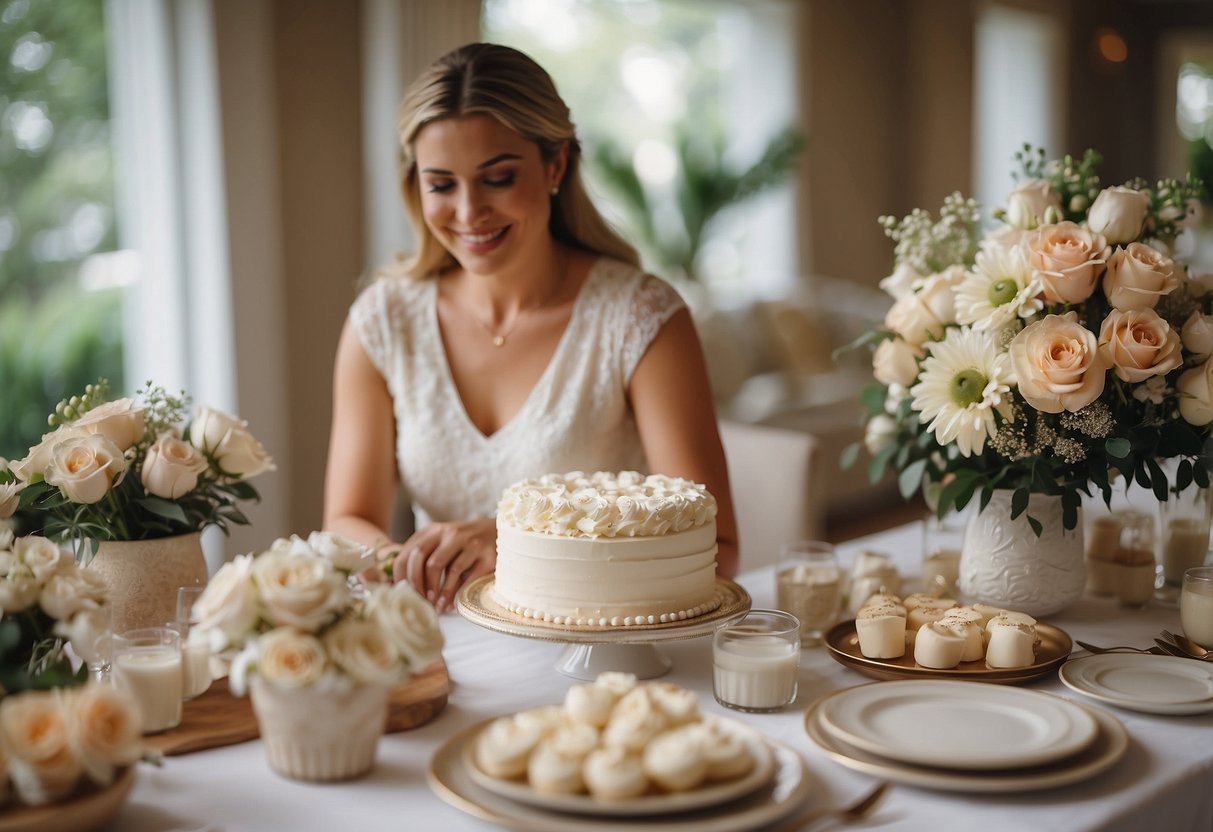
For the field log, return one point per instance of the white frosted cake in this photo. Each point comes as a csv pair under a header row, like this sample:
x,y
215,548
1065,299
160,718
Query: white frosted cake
x,y
606,549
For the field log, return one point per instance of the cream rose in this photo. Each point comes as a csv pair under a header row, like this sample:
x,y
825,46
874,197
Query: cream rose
x,y
226,439
901,282
103,731
82,630
70,591
409,621
347,555
1138,276
1028,204
84,467
227,608
299,590
365,652
118,421
1139,344
1118,214
34,733
290,659
41,557
1058,364
39,457
171,468
1195,388
896,362
18,593
879,433
1197,334
922,315
1068,260
10,498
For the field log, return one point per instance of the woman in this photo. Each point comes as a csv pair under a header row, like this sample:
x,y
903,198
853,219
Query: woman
x,y
520,339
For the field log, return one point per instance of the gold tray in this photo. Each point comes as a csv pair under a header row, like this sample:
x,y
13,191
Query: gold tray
x,y
1055,647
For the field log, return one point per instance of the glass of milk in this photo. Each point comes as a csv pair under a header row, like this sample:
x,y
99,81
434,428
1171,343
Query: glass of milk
x,y
1196,605
195,654
147,664
756,661
808,585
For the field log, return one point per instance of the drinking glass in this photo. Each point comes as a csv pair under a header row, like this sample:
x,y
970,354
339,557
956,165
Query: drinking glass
x,y
1184,521
1196,605
756,661
147,664
941,544
195,655
1103,543
808,585
1134,569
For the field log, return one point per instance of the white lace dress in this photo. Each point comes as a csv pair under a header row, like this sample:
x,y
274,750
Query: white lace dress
x,y
576,417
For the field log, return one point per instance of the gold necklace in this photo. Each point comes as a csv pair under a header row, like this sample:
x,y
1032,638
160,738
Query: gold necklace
x,y
499,337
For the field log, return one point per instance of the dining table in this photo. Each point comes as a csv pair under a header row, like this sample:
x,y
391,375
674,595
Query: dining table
x,y
1163,781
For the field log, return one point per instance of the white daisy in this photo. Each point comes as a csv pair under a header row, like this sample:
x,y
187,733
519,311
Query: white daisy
x,y
964,381
1000,289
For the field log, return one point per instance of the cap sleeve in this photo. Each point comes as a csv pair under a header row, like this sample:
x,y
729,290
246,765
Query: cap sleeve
x,y
653,303
371,316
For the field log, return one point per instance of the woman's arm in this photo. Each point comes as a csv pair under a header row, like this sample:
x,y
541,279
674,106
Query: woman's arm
x,y
676,416
360,482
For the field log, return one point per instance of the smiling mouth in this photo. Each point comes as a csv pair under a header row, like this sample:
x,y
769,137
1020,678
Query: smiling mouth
x,y
482,239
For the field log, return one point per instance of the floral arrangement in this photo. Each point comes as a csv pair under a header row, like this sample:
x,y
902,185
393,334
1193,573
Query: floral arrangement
x,y
292,614
1067,344
45,600
53,741
133,469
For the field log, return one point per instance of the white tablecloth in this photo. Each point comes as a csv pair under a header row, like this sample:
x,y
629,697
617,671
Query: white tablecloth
x,y
1164,782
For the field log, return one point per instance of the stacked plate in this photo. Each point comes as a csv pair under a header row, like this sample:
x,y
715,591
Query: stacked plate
x,y
774,788
1142,682
965,736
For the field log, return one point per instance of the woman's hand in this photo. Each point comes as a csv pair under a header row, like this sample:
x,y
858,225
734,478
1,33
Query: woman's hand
x,y
442,557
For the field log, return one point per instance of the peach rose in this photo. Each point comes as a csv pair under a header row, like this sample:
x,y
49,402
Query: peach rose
x,y
1058,364
299,590
923,314
1139,344
1197,334
228,441
171,468
85,467
103,730
1068,260
10,498
119,421
364,651
408,620
39,456
896,362
291,659
1138,276
1118,214
34,733
1196,394
227,608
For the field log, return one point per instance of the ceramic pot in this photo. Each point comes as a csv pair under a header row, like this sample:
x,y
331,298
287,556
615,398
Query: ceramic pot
x,y
319,735
1005,564
144,575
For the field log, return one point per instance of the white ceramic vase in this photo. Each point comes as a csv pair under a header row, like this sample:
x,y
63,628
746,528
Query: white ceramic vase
x,y
144,575
319,735
1005,564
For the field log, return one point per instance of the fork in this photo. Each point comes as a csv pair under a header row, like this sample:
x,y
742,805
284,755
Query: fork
x,y
1091,648
854,813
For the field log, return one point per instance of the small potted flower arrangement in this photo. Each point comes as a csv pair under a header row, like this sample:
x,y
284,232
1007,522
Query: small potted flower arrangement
x,y
132,482
318,650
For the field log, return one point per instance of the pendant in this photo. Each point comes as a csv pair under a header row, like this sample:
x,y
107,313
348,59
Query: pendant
x,y
498,340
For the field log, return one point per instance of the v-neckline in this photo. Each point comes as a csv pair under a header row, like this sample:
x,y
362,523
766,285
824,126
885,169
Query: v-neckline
x,y
557,354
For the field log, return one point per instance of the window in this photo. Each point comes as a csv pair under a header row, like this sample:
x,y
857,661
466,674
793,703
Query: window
x,y
60,302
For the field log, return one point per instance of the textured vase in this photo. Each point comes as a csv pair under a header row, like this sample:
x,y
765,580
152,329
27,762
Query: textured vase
x,y
1005,564
319,735
144,575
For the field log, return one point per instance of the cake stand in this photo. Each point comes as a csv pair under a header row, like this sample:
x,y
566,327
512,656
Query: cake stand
x,y
593,649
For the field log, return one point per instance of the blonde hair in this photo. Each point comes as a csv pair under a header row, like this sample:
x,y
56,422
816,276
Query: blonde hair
x,y
489,79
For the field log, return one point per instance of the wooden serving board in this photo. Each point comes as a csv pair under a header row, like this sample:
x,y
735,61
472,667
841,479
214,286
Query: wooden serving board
x,y
217,718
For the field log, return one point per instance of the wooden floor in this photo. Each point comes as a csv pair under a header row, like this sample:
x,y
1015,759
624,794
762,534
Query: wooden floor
x,y
840,529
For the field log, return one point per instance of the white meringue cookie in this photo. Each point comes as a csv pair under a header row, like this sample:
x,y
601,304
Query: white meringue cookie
x,y
591,704
677,704
503,747
675,760
616,682
614,773
573,740
632,728
550,772
727,753
545,718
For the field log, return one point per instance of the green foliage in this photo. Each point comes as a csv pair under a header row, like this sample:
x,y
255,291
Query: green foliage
x,y
706,185
31,656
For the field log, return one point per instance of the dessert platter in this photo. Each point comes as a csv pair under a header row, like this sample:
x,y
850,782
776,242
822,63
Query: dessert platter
x,y
964,736
608,563
1167,685
619,753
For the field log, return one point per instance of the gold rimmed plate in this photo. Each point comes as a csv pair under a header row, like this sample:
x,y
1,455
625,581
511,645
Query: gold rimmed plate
x,y
1055,646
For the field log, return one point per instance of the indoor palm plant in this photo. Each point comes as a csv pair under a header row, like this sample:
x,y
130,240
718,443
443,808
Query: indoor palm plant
x,y
1036,362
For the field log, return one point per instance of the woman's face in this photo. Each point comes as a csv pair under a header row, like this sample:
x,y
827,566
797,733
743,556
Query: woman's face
x,y
485,191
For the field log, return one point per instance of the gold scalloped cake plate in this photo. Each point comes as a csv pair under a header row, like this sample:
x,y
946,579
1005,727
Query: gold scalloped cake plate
x,y
1054,649
475,601
654,803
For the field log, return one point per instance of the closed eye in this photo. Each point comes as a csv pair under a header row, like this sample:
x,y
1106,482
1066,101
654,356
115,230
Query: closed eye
x,y
441,187
503,181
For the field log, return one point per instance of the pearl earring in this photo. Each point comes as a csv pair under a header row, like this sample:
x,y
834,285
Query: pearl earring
x,y
555,190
